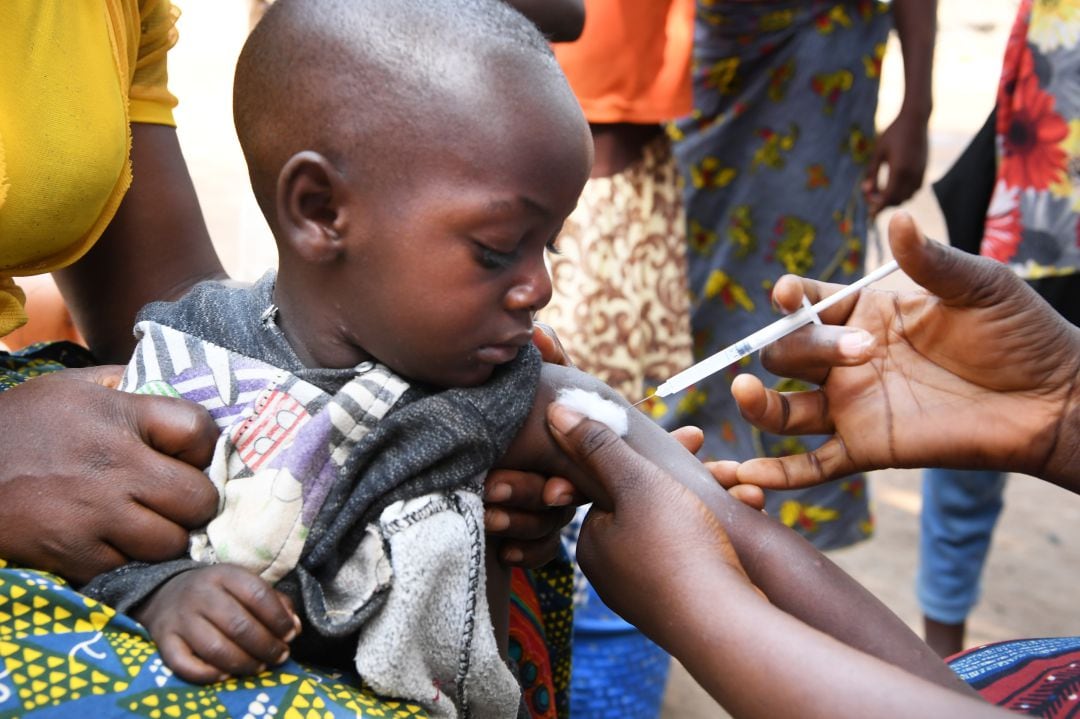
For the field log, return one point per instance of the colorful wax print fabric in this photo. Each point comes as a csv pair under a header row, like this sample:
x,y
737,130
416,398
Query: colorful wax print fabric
x,y
39,359
63,655
1035,677
1032,220
773,154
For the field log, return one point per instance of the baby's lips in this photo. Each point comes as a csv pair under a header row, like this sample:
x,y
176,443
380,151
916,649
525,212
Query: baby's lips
x,y
498,354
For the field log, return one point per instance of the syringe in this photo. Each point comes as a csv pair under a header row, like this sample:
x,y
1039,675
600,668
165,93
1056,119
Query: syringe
x,y
752,343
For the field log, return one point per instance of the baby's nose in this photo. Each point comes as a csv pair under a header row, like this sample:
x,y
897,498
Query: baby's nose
x,y
532,292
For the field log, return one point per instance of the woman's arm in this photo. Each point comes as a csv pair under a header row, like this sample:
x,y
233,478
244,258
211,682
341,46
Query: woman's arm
x,y
796,577
660,558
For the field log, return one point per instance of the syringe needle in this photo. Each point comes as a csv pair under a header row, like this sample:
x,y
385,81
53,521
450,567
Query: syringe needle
x,y
753,342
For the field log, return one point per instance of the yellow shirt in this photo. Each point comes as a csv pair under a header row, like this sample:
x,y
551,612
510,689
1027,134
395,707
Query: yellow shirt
x,y
73,75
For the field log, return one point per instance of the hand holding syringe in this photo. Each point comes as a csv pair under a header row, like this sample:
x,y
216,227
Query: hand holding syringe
x,y
752,343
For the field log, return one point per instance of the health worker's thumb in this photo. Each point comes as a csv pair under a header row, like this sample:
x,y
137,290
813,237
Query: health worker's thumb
x,y
612,465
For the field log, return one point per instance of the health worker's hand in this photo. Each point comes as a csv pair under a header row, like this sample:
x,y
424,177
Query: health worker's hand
x,y
974,370
651,537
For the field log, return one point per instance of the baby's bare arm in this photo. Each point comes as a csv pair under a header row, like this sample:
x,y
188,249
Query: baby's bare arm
x,y
219,621
795,576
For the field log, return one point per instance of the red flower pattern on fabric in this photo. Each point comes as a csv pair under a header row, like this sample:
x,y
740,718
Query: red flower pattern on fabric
x,y
1016,49
1003,228
1001,237
1031,131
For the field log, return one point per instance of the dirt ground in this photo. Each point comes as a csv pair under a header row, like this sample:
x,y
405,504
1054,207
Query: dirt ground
x,y
1025,592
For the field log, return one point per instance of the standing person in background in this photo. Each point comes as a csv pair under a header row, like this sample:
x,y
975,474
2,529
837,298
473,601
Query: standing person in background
x,y
619,299
1032,225
781,166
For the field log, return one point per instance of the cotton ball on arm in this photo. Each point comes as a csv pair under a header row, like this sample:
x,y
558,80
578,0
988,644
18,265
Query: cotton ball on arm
x,y
595,407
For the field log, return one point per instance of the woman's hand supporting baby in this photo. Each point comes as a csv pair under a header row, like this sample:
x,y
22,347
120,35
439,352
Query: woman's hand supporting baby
x,y
92,478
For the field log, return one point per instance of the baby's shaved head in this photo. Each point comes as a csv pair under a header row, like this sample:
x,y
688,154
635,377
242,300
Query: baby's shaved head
x,y
357,80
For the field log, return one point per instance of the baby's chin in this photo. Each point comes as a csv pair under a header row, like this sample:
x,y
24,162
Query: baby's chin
x,y
470,375
465,370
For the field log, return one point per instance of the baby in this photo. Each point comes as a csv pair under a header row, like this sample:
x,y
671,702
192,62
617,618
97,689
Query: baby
x,y
414,160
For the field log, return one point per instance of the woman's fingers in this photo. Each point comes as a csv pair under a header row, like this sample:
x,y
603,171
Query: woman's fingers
x,y
810,352
796,471
781,412
690,437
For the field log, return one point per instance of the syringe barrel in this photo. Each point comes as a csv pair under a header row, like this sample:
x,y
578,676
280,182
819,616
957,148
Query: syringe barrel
x,y
733,353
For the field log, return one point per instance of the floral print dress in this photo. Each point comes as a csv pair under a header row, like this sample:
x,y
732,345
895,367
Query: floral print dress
x,y
1032,220
773,155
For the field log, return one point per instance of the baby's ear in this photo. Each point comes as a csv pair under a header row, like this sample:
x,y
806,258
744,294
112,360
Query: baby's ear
x,y
311,207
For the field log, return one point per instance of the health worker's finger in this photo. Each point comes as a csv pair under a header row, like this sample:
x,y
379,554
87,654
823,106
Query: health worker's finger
x,y
513,488
530,555
724,471
957,277
810,352
750,495
561,492
692,438
527,525
781,412
796,471
789,290
611,463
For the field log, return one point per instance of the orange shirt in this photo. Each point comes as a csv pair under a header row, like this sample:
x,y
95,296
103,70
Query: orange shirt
x,y
632,61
